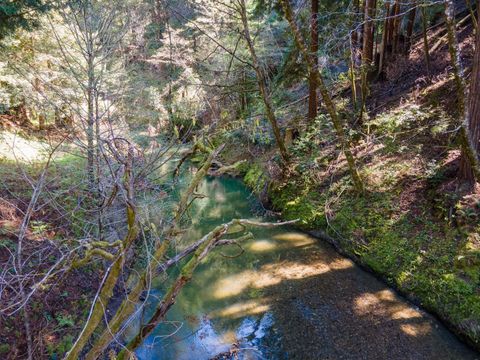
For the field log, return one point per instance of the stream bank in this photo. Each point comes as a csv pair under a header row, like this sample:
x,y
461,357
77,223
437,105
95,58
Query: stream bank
x,y
287,296
411,253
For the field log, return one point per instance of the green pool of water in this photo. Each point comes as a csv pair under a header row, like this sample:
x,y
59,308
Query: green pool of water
x,y
288,296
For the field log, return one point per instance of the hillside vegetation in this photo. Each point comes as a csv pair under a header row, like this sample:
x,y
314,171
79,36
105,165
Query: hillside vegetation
x,y
355,121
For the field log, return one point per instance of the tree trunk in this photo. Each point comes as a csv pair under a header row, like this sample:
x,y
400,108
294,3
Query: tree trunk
x,y
367,53
472,121
410,24
262,83
243,93
469,169
312,85
354,52
22,115
368,35
58,118
91,126
354,35
425,39
386,23
455,56
391,27
41,122
397,20
327,100
472,13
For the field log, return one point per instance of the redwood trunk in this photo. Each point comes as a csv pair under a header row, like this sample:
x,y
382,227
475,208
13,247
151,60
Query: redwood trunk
x,y
473,115
386,23
392,21
410,25
425,39
367,54
312,98
396,27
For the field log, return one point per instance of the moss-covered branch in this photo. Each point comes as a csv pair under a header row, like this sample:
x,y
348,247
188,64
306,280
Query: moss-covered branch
x,y
127,307
207,243
110,279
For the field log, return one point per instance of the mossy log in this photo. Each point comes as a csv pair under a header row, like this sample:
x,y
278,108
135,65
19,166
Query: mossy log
x,y
127,307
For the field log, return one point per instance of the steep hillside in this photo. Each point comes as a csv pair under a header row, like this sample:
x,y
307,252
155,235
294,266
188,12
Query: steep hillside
x,y
415,225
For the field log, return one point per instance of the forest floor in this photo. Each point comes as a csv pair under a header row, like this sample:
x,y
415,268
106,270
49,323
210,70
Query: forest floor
x,y
57,312
415,226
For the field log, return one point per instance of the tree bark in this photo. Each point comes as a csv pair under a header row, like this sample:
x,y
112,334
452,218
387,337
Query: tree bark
x,y
367,53
386,23
396,27
425,39
472,13
91,120
472,121
368,34
41,122
455,59
354,52
469,169
410,24
312,85
391,27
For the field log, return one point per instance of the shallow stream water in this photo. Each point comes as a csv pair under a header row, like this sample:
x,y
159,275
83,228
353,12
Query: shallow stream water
x,y
288,296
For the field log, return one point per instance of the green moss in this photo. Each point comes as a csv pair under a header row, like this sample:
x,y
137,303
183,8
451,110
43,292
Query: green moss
x,y
255,178
414,251
4,348
305,205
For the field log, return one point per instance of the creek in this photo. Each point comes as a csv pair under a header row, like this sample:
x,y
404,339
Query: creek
x,y
288,296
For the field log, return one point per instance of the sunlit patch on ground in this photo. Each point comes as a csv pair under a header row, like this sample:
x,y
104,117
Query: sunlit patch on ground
x,y
262,245
340,264
14,147
228,337
268,275
386,295
297,239
382,303
416,329
407,313
386,304
242,309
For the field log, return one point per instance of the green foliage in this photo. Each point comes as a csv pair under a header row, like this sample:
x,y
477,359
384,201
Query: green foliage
x,y
4,348
310,139
65,344
7,243
400,120
413,252
19,13
255,178
38,227
65,320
